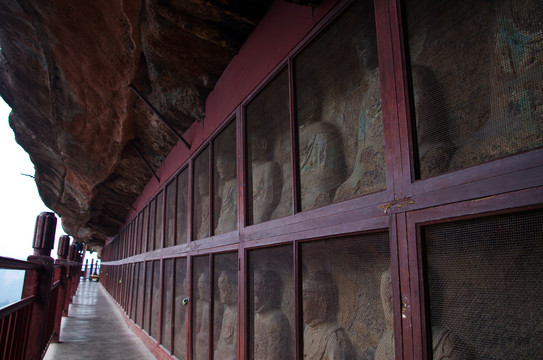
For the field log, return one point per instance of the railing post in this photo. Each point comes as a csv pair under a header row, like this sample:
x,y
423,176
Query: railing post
x,y
44,237
62,252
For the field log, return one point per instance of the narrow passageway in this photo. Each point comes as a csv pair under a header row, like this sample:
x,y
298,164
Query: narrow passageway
x,y
95,329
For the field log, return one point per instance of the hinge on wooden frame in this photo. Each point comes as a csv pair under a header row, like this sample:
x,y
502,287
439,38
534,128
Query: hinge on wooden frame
x,y
395,204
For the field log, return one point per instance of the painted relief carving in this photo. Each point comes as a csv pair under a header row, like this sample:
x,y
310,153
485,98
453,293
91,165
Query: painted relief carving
x,y
201,345
226,170
272,334
266,182
324,338
202,207
368,172
226,345
322,163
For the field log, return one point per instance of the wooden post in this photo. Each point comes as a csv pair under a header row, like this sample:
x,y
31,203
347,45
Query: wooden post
x,y
40,285
62,299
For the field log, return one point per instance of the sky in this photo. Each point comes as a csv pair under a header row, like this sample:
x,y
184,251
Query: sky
x,y
21,203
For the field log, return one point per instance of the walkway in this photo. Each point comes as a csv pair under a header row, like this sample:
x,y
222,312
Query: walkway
x,y
95,329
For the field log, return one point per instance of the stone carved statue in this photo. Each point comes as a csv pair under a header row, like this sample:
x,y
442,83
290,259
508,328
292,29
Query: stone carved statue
x,y
267,182
322,163
515,122
272,335
226,346
368,174
203,207
445,345
433,143
227,220
201,346
324,338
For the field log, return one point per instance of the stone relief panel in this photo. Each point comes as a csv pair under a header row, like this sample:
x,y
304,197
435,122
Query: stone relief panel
x,y
269,168
225,307
200,308
179,342
202,211
485,286
225,195
342,310
182,207
477,89
339,113
271,304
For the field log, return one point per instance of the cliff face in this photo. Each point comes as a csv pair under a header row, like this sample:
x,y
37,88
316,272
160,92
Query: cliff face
x,y
65,70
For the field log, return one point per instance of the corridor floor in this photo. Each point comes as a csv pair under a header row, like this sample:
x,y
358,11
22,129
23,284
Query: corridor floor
x,y
94,329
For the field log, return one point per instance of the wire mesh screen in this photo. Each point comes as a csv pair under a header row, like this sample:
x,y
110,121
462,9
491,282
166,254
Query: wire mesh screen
x,y
158,223
225,307
182,206
145,234
200,308
141,294
155,299
271,304
148,292
269,175
179,344
225,200
167,304
201,225
340,123
343,310
152,224
135,288
476,69
485,287
169,239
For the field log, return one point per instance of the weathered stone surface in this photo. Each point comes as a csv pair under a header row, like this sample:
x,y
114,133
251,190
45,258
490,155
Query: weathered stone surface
x,y
65,68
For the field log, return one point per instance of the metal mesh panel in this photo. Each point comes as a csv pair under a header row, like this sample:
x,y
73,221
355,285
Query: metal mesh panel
x,y
271,304
201,225
145,234
342,304
155,301
158,224
200,308
182,207
484,285
170,215
225,307
167,304
148,290
135,288
180,309
476,69
269,175
225,201
141,291
152,224
340,126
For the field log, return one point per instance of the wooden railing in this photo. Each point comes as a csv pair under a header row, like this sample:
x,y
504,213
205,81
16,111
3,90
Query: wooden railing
x,y
28,326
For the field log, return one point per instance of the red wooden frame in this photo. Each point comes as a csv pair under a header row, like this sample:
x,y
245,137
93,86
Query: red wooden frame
x,y
504,185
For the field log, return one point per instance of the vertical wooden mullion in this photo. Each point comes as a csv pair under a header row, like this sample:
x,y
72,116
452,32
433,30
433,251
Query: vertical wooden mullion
x,y
189,309
160,298
211,305
211,183
403,311
295,206
241,168
298,332
242,303
190,202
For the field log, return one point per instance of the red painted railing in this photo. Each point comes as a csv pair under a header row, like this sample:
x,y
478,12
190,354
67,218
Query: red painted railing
x,y
28,326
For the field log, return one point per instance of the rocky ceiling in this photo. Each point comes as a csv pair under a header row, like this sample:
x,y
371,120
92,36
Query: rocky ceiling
x,y
65,70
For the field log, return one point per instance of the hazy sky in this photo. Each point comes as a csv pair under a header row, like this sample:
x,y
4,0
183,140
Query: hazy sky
x,y
21,203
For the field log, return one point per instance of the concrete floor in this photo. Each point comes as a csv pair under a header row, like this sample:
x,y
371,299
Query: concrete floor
x,y
95,329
